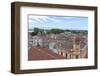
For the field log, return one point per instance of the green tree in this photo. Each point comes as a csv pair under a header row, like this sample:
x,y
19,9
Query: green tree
x,y
37,30
56,31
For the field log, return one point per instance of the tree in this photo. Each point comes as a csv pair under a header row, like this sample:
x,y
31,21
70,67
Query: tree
x,y
56,31
36,30
33,34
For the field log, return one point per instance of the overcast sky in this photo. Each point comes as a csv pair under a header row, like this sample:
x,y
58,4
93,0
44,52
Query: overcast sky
x,y
62,22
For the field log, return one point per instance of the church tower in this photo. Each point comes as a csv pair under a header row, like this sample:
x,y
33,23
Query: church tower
x,y
76,47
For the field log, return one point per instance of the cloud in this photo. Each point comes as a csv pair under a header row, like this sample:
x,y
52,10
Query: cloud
x,y
42,18
72,22
57,22
38,18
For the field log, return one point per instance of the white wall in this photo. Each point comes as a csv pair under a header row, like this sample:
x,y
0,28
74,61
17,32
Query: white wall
x,y
5,33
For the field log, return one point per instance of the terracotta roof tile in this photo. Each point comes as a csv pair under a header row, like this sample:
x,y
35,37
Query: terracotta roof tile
x,y
40,53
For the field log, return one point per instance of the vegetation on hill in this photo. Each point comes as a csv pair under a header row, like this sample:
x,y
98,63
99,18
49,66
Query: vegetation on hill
x,y
37,31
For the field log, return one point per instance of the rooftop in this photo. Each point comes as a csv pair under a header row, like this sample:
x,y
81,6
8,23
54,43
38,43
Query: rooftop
x,y
40,53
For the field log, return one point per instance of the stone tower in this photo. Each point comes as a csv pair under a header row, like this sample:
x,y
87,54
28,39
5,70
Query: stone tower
x,y
76,47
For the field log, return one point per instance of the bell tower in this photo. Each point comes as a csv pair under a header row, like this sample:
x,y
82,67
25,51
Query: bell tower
x,y
76,47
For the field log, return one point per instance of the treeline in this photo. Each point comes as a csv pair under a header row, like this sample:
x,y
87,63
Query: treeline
x,y
77,31
37,31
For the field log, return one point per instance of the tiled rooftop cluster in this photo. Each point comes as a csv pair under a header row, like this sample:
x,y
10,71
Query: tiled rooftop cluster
x,y
62,41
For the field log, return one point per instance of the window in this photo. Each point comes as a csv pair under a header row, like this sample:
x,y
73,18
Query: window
x,y
61,53
66,55
76,56
38,44
70,56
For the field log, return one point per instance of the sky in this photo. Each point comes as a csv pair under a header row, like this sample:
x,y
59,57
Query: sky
x,y
60,22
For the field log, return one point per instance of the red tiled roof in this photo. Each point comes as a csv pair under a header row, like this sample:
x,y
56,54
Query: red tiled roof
x,y
40,53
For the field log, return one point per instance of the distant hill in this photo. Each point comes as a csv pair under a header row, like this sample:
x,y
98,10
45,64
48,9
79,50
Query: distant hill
x,y
57,31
